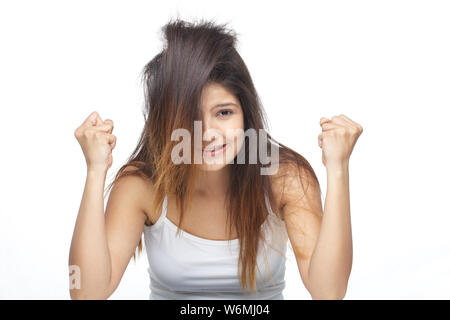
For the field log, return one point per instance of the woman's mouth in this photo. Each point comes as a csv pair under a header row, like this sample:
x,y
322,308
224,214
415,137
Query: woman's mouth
x,y
212,152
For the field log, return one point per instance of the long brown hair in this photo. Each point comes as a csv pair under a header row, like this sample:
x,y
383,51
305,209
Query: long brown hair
x,y
194,54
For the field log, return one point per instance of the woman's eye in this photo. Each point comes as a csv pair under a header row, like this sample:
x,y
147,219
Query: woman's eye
x,y
221,112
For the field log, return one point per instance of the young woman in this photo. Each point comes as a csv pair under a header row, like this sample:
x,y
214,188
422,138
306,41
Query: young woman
x,y
214,229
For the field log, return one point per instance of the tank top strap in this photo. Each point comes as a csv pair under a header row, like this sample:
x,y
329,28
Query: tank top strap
x,y
164,207
269,207
162,216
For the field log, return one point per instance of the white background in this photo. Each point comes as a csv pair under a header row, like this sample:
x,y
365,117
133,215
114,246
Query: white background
x,y
385,64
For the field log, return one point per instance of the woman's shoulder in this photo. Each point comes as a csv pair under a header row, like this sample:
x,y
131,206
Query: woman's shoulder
x,y
289,175
141,186
131,173
277,180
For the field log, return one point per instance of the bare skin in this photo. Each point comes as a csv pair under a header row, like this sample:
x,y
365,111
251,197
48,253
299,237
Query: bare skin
x,y
104,241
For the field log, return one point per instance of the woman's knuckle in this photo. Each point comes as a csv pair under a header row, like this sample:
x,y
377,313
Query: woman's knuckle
x,y
98,134
87,133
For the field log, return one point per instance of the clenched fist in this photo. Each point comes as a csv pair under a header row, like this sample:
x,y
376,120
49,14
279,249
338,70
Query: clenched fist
x,y
338,137
97,141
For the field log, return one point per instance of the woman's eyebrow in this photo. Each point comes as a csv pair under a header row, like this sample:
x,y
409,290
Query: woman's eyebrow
x,y
224,105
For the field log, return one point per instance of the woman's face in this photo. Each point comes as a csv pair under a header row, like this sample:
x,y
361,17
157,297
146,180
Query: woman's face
x,y
222,124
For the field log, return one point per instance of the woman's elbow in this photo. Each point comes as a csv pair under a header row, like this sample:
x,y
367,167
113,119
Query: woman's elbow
x,y
76,294
329,295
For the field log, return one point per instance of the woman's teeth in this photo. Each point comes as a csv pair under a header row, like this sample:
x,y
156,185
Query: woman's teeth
x,y
215,150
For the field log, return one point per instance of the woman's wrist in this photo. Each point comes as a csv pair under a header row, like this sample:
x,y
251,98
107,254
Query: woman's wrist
x,y
337,168
97,171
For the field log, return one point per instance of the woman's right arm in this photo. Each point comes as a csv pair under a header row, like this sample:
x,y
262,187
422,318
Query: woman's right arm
x,y
89,249
104,242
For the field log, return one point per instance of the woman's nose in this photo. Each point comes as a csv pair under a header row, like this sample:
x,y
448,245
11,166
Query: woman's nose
x,y
208,124
211,131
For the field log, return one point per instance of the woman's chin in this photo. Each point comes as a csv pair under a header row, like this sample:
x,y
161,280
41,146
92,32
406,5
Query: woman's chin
x,y
212,166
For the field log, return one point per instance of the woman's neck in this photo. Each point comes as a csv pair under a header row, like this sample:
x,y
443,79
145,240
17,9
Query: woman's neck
x,y
212,183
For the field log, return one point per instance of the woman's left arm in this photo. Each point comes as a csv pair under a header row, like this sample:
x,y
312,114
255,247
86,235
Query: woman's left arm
x,y
331,260
322,242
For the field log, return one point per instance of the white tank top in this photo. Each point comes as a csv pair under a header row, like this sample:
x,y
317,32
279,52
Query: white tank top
x,y
190,267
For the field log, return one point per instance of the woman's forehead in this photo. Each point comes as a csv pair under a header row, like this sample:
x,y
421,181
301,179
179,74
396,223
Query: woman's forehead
x,y
215,94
